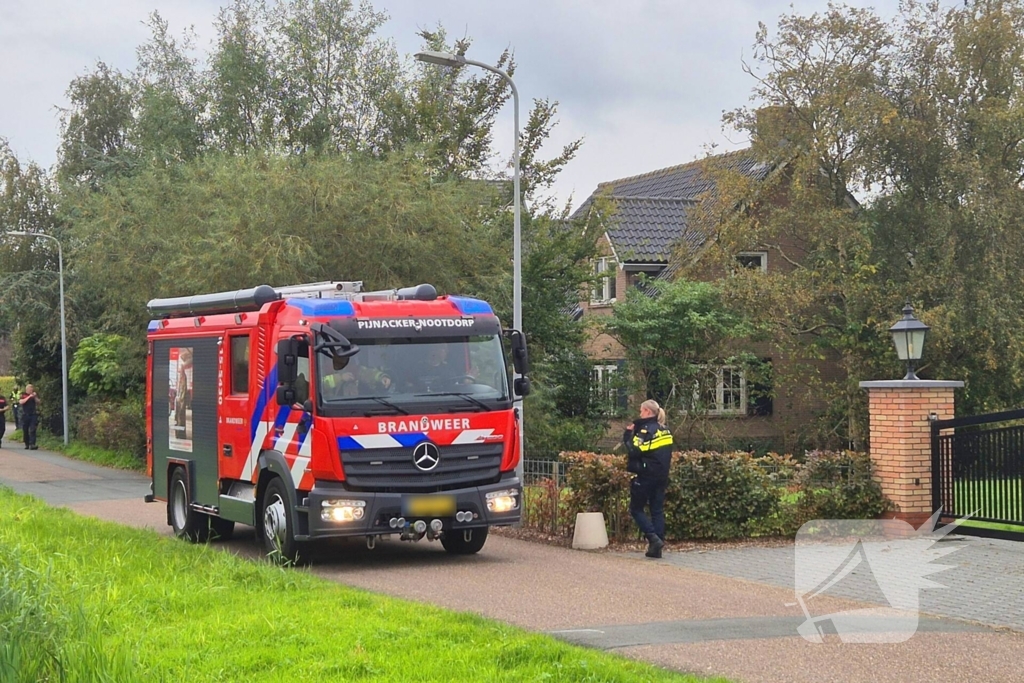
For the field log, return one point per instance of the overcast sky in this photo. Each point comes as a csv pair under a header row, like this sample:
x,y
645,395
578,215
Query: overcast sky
x,y
645,82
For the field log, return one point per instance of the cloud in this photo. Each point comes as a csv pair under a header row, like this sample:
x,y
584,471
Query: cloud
x,y
645,81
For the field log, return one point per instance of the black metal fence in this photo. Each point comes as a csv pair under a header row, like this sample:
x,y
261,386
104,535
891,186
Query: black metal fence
x,y
978,472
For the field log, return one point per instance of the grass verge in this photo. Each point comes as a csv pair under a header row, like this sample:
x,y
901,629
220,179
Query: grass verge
x,y
86,600
87,453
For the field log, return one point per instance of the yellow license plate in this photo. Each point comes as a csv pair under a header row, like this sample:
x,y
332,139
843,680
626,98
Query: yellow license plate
x,y
428,506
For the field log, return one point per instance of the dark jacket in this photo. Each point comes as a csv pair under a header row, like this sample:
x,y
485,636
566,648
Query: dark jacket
x,y
649,445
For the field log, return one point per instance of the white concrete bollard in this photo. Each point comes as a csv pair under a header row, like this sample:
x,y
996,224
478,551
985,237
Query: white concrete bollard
x,y
590,532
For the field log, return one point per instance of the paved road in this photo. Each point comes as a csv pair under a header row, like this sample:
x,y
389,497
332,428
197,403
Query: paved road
x,y
723,612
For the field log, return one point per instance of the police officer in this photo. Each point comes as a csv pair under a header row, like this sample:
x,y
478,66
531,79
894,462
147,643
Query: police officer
x,y
649,444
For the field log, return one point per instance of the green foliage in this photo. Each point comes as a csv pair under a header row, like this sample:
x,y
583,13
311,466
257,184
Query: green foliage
x,y
223,223
838,485
79,450
46,635
547,507
920,118
717,495
152,608
115,426
99,365
675,341
549,432
600,483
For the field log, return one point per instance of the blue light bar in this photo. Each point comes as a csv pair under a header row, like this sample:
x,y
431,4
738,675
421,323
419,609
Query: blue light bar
x,y
470,306
323,307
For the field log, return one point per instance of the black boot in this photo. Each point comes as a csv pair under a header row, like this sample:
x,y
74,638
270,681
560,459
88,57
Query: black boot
x,y
654,545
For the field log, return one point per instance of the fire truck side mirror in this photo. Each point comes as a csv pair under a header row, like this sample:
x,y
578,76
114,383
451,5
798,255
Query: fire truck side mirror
x,y
285,395
287,361
522,386
520,359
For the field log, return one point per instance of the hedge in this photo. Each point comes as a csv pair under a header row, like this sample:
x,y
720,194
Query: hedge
x,y
713,495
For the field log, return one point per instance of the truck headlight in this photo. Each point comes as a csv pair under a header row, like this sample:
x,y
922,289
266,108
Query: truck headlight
x,y
503,501
342,510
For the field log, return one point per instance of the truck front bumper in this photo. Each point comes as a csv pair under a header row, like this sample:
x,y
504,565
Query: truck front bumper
x,y
331,509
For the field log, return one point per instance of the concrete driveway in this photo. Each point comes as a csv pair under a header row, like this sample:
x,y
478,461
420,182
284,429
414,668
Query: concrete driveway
x,y
693,612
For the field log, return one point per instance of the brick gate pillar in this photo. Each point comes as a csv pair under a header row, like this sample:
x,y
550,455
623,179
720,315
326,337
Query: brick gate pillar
x,y
900,440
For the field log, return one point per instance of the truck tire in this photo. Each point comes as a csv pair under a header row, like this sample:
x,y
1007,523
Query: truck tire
x,y
456,544
276,526
186,522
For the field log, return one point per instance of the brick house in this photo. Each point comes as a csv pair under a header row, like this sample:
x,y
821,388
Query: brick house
x,y
649,231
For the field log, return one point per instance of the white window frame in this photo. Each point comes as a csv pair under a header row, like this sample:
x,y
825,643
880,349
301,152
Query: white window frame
x,y
763,255
601,294
603,385
719,408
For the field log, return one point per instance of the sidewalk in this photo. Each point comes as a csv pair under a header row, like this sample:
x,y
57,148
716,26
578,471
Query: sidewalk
x,y
691,618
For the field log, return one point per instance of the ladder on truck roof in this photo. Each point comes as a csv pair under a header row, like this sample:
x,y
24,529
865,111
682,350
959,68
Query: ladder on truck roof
x,y
353,291
255,298
322,290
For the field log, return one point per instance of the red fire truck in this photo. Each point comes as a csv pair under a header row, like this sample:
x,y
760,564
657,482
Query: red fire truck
x,y
319,411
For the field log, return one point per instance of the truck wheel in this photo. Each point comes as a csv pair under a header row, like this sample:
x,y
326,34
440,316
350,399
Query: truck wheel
x,y
276,524
222,529
456,544
186,522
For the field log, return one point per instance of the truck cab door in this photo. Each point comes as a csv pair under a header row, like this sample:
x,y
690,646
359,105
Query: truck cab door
x,y
234,434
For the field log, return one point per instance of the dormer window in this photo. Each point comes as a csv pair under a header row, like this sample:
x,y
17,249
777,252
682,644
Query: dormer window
x,y
753,260
604,290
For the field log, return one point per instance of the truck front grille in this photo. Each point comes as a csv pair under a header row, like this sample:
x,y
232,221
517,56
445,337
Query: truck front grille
x,y
391,470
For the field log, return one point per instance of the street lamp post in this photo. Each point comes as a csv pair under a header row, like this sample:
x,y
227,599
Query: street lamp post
x,y
63,327
453,60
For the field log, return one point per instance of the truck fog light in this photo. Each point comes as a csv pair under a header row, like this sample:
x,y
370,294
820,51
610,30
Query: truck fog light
x,y
342,510
503,501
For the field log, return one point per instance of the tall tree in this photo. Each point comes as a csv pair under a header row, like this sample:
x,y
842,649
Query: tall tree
x,y
922,121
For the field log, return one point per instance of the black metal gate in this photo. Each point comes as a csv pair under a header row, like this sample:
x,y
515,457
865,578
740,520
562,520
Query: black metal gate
x,y
978,472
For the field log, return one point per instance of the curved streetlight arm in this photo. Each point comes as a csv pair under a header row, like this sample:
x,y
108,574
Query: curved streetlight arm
x,y
63,326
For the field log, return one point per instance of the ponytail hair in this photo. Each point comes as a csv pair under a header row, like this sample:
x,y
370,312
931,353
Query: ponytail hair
x,y
652,405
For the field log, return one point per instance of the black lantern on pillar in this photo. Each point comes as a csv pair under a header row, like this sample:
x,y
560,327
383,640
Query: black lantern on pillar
x,y
908,335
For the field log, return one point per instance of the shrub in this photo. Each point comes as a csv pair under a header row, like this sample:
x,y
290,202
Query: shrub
x,y
546,508
113,425
838,485
103,366
717,495
600,483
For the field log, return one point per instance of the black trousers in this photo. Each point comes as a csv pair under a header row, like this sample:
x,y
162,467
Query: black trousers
x,y
3,425
28,428
644,492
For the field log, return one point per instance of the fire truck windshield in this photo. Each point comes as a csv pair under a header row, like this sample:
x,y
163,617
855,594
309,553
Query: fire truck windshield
x,y
419,374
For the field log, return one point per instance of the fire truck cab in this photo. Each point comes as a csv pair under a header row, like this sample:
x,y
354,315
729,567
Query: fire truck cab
x,y
319,411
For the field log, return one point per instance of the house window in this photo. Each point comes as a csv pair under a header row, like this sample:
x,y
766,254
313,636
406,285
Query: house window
x,y
753,260
608,395
604,291
724,390
635,277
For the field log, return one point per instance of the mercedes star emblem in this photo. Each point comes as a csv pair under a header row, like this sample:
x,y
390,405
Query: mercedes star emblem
x,y
426,456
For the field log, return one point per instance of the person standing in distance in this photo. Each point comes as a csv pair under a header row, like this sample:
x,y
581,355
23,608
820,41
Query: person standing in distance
x,y
3,418
29,402
649,444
